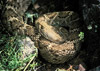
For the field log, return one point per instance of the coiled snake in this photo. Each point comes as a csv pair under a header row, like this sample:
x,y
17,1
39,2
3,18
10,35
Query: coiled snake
x,y
59,40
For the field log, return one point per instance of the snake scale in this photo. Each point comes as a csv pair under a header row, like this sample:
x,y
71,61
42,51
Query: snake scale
x,y
59,41
13,18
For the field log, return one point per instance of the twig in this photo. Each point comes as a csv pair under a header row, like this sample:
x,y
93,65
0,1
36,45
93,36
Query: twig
x,y
31,60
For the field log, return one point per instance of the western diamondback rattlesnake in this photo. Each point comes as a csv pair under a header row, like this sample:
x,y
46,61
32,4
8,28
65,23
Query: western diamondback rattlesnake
x,y
57,26
13,18
59,40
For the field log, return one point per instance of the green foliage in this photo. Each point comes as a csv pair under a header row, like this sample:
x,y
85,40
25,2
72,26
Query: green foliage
x,y
10,55
81,35
29,15
9,58
90,27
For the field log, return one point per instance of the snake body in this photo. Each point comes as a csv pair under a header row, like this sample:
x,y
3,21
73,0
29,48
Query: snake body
x,y
59,40
13,18
57,26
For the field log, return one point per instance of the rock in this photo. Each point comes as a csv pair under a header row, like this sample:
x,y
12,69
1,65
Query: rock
x,y
27,48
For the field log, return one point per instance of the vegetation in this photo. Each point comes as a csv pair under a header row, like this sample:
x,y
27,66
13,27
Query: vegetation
x,y
10,52
10,55
81,35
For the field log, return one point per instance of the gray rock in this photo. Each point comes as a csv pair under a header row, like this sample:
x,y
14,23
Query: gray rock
x,y
27,47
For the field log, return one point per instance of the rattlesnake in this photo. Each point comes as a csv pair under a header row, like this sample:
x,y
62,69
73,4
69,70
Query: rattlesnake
x,y
57,26
59,41
12,16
